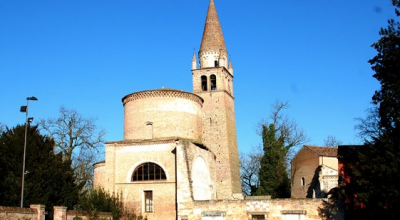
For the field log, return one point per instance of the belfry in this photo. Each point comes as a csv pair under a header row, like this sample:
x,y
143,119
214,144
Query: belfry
x,y
213,81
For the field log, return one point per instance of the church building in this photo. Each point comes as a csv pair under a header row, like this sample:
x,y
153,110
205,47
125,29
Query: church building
x,y
178,145
179,156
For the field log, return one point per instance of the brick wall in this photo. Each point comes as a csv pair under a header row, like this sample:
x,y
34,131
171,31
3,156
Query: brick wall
x,y
99,175
219,128
274,209
122,158
304,165
35,212
171,113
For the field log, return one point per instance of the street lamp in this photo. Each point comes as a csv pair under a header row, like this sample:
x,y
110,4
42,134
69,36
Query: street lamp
x,y
27,121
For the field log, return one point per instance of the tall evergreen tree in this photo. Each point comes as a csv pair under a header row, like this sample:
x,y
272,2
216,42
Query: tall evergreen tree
x,y
376,177
266,173
273,177
48,179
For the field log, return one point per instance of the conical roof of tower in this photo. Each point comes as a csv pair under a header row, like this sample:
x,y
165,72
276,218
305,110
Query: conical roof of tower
x,y
194,57
213,40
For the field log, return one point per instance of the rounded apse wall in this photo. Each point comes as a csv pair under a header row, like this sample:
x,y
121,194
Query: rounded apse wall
x,y
162,113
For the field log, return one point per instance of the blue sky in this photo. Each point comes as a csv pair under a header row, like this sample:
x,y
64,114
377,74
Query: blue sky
x,y
87,54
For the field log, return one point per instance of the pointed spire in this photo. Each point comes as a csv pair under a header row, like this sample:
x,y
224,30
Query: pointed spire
x,y
194,61
213,40
230,67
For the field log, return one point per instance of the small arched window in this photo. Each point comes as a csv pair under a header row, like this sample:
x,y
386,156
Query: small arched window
x,y
148,171
204,83
213,82
216,63
302,181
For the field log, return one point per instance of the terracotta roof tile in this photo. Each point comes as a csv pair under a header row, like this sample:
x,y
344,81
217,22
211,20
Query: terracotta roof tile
x,y
212,40
323,151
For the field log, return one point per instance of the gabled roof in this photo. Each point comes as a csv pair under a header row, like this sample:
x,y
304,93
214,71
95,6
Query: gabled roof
x,y
212,40
323,151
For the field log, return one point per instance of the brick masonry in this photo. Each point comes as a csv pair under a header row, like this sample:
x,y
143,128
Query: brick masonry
x,y
192,137
309,165
273,209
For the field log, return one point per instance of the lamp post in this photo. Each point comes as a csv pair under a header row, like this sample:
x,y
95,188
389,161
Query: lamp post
x,y
27,121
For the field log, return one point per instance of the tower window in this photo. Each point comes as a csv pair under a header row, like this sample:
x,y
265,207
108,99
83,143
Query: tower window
x,y
148,201
216,64
148,171
204,83
213,82
302,181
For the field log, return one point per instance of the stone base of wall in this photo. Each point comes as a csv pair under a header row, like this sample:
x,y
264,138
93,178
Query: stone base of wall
x,y
37,212
271,209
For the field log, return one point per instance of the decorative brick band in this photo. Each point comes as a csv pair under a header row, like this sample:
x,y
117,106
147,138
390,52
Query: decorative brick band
x,y
170,93
293,212
141,142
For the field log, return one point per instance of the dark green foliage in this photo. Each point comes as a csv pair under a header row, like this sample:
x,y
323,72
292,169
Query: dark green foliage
x,y
98,200
48,180
376,177
273,176
95,201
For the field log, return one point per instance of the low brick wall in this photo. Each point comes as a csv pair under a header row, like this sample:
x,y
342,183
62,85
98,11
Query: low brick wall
x,y
61,213
272,209
85,215
37,212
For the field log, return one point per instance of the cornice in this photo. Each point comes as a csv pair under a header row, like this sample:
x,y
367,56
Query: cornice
x,y
170,93
156,141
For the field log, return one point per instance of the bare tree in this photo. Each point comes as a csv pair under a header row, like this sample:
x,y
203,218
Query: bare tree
x,y
332,141
78,139
287,130
368,128
249,168
285,127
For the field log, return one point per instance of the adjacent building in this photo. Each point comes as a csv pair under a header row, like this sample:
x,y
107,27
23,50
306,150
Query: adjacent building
x,y
314,172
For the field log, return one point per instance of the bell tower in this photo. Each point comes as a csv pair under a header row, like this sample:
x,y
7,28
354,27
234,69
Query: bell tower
x,y
213,81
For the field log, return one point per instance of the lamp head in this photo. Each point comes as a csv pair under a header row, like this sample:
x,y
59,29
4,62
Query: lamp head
x,y
23,108
33,98
30,119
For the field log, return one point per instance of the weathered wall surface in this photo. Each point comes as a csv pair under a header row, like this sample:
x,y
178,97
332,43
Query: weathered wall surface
x,y
162,113
274,209
331,162
99,175
314,172
304,165
122,158
35,212
219,127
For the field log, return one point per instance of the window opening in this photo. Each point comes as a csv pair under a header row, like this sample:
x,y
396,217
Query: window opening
x,y
148,171
213,82
302,181
216,64
149,130
204,83
148,201
257,217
